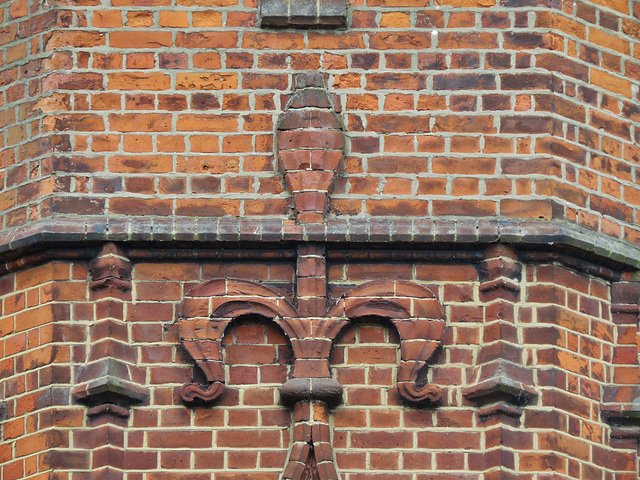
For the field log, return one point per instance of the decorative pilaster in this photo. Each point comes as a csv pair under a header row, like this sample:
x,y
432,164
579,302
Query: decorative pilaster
x,y
311,282
500,378
311,391
107,383
501,382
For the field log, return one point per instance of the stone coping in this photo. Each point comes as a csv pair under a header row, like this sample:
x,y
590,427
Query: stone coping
x,y
423,231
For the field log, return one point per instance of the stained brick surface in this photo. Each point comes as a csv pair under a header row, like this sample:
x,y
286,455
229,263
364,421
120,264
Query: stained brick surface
x,y
569,340
115,110
445,286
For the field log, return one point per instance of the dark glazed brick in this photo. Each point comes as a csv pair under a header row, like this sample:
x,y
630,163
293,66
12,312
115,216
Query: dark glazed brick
x,y
528,81
610,21
462,82
465,60
204,101
365,60
498,60
525,125
432,61
303,13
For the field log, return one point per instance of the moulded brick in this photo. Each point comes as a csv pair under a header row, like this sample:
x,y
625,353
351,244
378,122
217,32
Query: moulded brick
x,y
439,122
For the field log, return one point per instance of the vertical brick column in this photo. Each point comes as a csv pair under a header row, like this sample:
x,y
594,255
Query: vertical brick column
x,y
311,377
311,391
499,375
621,400
108,379
311,456
311,282
501,382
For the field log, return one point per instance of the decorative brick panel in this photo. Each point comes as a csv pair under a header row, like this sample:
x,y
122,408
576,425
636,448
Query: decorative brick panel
x,y
562,318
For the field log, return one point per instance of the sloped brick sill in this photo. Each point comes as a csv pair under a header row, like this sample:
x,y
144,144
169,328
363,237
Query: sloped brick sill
x,y
303,13
463,231
512,390
108,388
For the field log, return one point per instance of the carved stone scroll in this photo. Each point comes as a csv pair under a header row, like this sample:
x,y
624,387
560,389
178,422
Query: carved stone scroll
x,y
415,312
419,319
206,312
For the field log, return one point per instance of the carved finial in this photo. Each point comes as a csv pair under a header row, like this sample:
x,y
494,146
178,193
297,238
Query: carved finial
x,y
310,143
110,268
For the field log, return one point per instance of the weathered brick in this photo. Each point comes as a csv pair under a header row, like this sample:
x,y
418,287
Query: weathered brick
x,y
466,122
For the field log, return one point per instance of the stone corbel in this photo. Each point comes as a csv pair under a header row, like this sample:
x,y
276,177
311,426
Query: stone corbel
x,y
303,13
106,382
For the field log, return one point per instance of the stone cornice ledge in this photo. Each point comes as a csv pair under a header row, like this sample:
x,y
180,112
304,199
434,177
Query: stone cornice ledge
x,y
527,232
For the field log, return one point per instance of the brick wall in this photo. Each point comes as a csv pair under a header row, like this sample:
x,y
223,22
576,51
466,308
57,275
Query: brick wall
x,y
404,249
28,138
39,346
564,332
477,109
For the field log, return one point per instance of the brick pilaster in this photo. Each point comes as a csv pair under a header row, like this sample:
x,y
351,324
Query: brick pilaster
x,y
501,381
108,382
621,400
